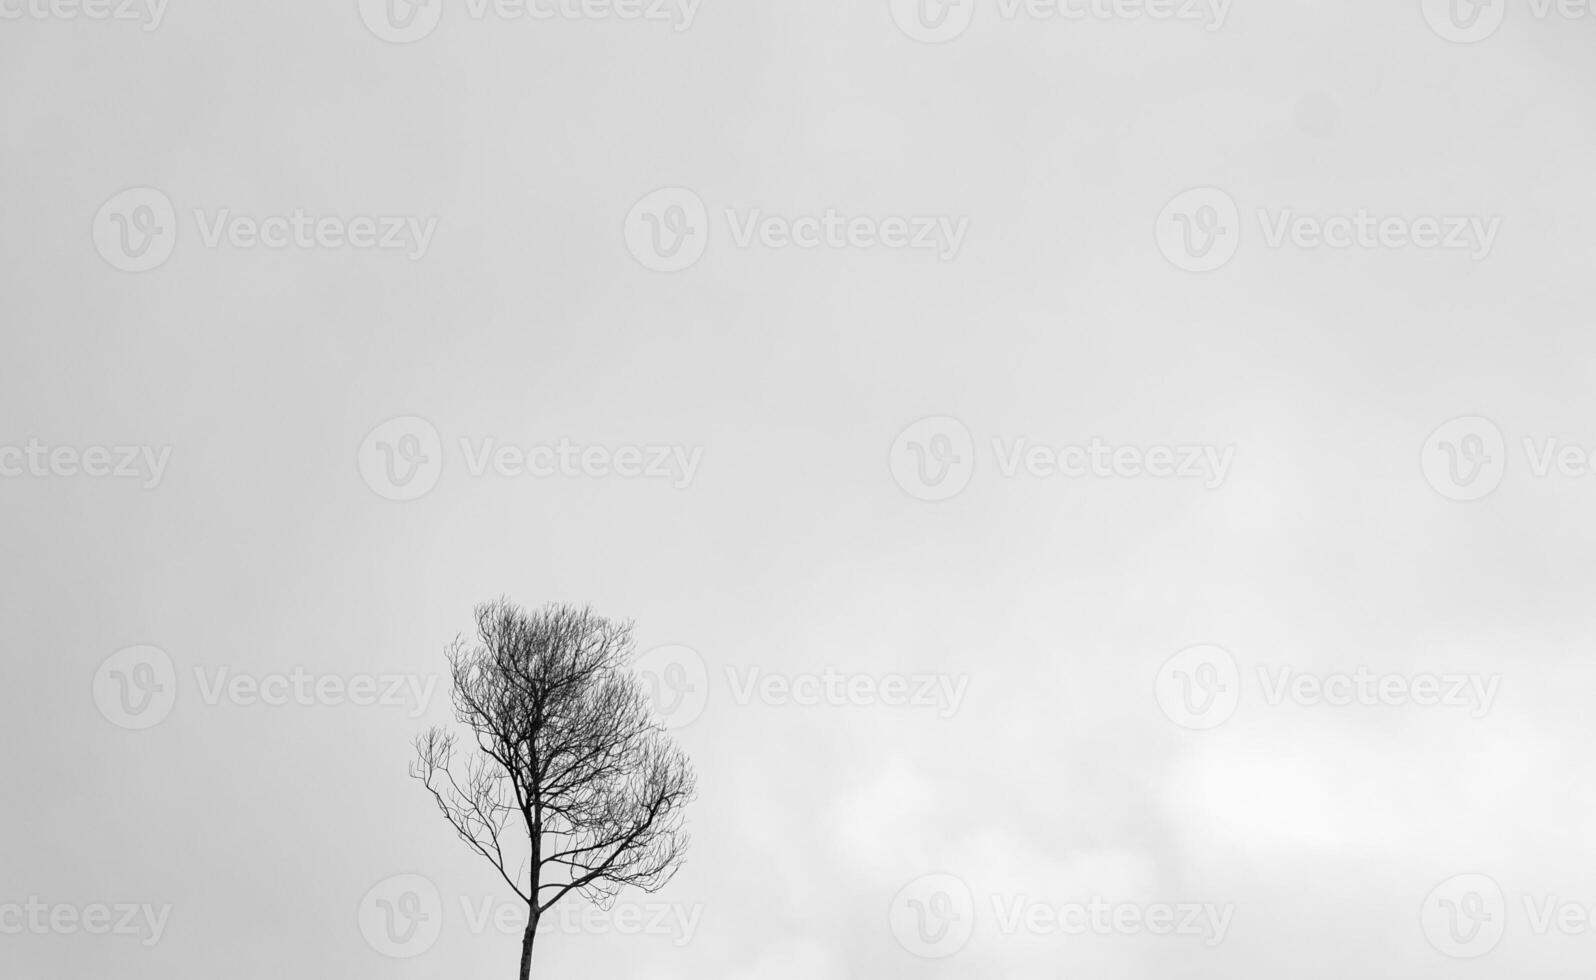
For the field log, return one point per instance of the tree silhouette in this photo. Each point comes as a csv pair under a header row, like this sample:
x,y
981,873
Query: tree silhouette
x,y
573,785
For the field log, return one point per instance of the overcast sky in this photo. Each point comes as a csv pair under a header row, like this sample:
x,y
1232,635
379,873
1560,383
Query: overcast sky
x,y
923,383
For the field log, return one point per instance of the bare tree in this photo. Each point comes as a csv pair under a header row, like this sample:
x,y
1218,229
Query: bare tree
x,y
572,785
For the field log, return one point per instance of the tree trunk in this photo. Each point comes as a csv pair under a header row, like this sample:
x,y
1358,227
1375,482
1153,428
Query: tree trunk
x,y
526,946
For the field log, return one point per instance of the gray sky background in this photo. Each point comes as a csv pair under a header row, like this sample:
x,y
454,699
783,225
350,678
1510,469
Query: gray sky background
x,y
794,549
